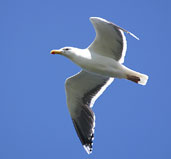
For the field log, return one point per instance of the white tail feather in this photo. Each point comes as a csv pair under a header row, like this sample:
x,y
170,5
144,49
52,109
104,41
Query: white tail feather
x,y
143,79
136,77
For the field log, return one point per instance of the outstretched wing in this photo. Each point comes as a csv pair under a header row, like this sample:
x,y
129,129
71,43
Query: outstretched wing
x,y
110,39
82,90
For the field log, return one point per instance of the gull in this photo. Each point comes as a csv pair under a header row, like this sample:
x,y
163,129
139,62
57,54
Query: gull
x,y
101,62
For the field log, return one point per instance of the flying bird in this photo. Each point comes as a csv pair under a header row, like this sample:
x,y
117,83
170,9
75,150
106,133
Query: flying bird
x,y
101,62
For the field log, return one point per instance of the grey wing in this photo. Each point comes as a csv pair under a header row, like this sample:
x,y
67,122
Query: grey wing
x,y
110,39
82,90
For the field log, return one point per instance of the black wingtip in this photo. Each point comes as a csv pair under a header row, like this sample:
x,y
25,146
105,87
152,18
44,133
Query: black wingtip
x,y
86,142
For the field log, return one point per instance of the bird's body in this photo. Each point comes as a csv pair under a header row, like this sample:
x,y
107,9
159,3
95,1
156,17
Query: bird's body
x,y
98,64
101,62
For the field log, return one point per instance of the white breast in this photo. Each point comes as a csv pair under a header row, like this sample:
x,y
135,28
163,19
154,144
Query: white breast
x,y
98,64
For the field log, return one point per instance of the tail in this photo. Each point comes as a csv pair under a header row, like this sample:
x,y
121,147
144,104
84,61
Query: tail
x,y
137,77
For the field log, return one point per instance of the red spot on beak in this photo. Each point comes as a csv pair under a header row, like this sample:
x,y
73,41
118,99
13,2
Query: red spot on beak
x,y
56,52
53,52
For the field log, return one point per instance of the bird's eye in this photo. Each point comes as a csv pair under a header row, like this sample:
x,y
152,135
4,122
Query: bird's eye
x,y
66,49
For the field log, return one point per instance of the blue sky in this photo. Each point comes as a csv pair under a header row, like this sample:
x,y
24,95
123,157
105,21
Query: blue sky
x,y
132,121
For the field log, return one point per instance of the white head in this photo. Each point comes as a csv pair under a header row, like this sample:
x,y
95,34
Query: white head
x,y
66,51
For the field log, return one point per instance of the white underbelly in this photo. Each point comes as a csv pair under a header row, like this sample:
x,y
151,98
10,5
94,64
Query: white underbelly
x,y
102,65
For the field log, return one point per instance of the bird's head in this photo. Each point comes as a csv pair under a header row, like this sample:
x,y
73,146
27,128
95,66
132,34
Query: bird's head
x,y
66,51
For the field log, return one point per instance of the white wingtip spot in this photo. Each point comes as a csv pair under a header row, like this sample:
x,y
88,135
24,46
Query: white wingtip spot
x,y
133,35
88,150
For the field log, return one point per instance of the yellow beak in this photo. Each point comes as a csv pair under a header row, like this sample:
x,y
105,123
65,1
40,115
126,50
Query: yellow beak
x,y
56,52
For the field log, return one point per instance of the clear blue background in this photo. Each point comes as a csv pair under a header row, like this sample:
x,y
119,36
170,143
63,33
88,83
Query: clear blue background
x,y
132,121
